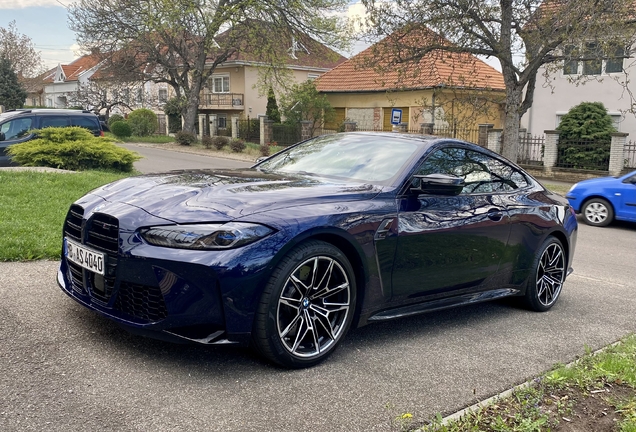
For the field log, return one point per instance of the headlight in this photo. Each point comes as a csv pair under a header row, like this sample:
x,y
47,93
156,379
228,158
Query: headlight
x,y
205,236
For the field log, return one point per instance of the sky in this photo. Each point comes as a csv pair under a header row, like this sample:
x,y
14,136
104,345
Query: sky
x,y
46,23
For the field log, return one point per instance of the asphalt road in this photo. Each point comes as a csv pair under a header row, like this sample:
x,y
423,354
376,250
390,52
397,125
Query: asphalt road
x,y
159,160
65,368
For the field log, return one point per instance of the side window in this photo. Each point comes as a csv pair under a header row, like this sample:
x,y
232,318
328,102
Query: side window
x,y
53,121
16,128
481,173
504,177
92,124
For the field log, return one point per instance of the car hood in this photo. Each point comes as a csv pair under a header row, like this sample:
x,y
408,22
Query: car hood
x,y
186,196
601,181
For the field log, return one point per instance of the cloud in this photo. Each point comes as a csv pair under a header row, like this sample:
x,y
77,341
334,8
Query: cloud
x,y
21,4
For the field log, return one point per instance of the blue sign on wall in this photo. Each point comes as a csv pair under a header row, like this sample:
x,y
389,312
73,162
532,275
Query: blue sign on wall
x,y
396,116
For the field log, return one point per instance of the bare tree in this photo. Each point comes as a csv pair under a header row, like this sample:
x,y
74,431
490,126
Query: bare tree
x,y
181,42
20,51
523,35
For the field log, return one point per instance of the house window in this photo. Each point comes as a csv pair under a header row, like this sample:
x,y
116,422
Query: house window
x,y
163,95
221,120
595,66
311,76
570,67
221,84
597,62
140,95
615,64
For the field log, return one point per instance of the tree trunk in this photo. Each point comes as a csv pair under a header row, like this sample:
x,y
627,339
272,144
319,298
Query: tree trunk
x,y
510,145
191,110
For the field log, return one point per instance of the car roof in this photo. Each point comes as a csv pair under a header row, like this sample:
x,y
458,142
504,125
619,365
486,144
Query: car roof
x,y
44,111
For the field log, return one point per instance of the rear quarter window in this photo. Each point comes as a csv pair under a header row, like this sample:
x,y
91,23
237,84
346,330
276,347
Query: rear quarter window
x,y
86,122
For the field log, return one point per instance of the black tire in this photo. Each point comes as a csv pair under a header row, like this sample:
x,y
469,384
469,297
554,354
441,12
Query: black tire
x,y
545,281
597,212
307,306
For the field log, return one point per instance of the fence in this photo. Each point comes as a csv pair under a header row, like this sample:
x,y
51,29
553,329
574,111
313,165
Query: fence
x,y
583,154
630,155
285,135
249,130
531,150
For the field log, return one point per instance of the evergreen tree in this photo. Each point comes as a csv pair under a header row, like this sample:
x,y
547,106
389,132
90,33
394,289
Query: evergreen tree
x,y
12,94
272,111
587,120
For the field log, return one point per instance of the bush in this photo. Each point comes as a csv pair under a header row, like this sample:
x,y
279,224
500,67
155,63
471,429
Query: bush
x,y
72,148
115,118
173,109
237,145
220,141
143,122
185,138
207,141
264,149
585,136
121,129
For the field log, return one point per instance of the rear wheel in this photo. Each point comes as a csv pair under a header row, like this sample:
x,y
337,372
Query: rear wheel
x,y
598,212
307,306
547,277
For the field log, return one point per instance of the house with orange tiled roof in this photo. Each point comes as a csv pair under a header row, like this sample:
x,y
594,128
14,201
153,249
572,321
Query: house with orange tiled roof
x,y
84,83
442,88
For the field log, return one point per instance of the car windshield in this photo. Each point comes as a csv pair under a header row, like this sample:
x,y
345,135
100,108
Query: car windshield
x,y
366,158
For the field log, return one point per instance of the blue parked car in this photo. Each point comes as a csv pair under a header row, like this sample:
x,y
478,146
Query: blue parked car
x,y
604,199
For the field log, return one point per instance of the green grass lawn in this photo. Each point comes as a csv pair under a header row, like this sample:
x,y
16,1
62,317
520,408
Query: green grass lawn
x,y
33,206
153,139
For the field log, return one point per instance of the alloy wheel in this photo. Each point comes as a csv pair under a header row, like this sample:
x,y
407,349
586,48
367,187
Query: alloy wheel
x,y
550,274
596,213
313,307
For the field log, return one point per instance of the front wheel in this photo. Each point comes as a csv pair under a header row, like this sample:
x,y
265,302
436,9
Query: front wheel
x,y
307,306
547,277
598,212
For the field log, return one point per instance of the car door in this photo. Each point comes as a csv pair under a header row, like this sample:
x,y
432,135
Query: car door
x,y
627,208
450,243
14,131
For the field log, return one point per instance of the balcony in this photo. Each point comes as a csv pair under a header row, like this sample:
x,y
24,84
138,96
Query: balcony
x,y
222,101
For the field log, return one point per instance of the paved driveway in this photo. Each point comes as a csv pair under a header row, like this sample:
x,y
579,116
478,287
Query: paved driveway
x,y
65,368
160,160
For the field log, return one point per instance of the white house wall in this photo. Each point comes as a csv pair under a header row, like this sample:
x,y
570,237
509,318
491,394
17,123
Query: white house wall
x,y
548,102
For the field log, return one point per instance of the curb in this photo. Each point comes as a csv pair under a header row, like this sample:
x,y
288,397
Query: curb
x,y
507,393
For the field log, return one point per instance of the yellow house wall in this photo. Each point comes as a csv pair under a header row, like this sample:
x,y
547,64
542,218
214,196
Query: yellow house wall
x,y
355,103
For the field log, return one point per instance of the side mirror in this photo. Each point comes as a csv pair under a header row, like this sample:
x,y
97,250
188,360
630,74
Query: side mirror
x,y
437,184
2,136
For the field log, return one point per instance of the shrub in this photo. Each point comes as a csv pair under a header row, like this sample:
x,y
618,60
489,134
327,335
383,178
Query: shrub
x,y
173,109
585,136
185,138
207,141
220,141
121,129
143,122
115,118
237,145
264,148
72,148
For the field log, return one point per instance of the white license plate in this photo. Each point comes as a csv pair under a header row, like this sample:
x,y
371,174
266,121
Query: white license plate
x,y
84,257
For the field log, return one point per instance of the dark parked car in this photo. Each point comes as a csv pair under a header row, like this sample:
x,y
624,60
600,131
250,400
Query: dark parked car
x,y
338,231
15,125
601,200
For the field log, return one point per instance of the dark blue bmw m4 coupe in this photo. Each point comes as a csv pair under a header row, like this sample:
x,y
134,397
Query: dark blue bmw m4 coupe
x,y
332,233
